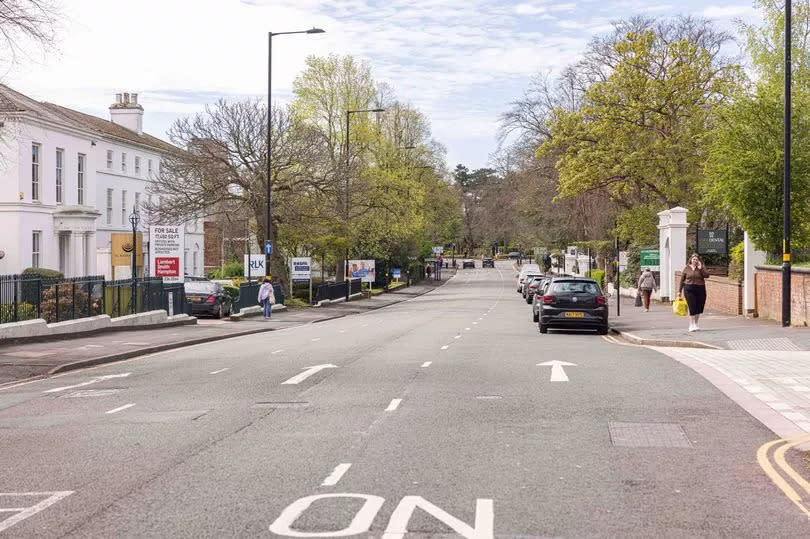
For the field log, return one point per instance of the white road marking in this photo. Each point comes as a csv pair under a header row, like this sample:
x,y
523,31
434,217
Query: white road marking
x,y
219,371
342,331
120,408
394,405
274,352
94,346
25,512
364,326
457,337
309,371
89,382
336,474
316,339
445,347
557,371
466,329
427,363
475,323
135,343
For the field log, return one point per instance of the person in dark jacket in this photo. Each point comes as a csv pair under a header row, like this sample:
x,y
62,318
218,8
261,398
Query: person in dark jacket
x,y
693,289
646,285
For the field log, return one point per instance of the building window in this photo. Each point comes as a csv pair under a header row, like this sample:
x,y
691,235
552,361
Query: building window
x,y
138,202
123,207
109,159
194,266
35,160
109,206
80,178
185,262
149,168
123,162
137,166
36,236
60,188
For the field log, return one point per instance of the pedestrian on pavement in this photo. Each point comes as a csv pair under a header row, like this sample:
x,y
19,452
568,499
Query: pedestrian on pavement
x,y
693,289
428,270
646,285
267,297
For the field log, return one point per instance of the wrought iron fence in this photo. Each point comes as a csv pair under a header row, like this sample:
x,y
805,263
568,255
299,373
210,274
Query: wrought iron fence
x,y
27,297
149,296
332,290
248,296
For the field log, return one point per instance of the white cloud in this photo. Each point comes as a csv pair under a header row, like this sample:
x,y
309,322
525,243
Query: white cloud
x,y
728,12
529,9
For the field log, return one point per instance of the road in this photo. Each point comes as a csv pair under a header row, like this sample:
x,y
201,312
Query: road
x,y
425,418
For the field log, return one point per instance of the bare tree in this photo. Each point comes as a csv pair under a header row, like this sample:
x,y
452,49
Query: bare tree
x,y
23,22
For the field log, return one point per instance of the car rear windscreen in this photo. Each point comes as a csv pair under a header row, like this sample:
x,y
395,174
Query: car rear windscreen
x,y
575,287
201,287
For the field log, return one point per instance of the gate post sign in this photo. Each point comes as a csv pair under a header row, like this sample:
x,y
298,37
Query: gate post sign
x,y
166,251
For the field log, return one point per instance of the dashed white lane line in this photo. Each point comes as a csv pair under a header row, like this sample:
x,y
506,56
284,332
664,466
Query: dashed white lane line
x,y
394,405
342,331
445,347
475,323
316,339
364,326
219,371
336,474
274,352
457,337
120,408
94,346
426,363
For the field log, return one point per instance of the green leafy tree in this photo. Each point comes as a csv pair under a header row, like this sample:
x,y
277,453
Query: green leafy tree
x,y
746,157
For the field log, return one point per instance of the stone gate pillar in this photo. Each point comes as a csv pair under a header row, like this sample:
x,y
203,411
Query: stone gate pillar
x,y
672,227
752,258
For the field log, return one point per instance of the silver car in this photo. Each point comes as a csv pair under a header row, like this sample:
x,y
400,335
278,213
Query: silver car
x,y
537,298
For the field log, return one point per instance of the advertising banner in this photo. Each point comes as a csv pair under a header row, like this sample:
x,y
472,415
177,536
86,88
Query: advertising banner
x,y
301,269
166,251
362,269
396,273
438,249
122,248
254,266
650,258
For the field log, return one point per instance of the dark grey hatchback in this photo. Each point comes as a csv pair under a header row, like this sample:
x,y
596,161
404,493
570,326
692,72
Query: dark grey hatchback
x,y
574,303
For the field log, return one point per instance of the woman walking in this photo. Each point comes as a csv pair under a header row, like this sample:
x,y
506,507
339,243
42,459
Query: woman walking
x,y
646,285
693,289
267,297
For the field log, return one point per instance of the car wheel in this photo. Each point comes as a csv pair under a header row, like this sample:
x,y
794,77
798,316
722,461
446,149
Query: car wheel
x,y
535,317
543,328
603,330
218,314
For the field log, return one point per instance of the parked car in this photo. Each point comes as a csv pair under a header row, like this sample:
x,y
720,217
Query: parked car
x,y
467,263
575,303
488,263
514,255
532,286
526,268
527,281
206,297
537,299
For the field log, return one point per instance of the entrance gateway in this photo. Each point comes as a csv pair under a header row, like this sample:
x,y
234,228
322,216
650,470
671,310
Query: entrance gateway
x,y
398,523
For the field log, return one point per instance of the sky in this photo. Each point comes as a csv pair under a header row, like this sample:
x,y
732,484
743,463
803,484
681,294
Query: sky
x,y
460,61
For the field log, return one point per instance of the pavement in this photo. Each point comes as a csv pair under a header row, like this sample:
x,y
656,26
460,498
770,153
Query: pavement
x,y
22,361
447,415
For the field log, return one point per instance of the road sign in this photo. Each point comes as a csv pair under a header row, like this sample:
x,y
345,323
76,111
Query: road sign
x,y
650,258
268,247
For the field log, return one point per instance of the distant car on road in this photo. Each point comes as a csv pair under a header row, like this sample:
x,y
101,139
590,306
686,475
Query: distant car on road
x,y
531,288
526,269
488,263
206,297
574,303
527,281
467,263
514,255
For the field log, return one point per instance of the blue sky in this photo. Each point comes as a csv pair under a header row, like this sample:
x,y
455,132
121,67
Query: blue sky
x,y
460,61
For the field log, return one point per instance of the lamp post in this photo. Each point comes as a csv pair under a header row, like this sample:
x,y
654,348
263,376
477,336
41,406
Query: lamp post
x,y
348,124
267,233
134,219
786,269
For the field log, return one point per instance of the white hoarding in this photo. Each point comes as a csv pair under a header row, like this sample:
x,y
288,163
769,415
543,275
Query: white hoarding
x,y
363,269
301,269
254,264
166,251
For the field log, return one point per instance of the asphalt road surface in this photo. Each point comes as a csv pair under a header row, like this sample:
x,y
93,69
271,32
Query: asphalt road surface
x,y
427,418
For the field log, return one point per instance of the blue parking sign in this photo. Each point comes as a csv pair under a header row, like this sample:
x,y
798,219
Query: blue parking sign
x,y
268,247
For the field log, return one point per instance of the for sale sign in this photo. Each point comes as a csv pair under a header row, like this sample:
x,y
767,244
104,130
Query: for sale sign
x,y
166,250
301,269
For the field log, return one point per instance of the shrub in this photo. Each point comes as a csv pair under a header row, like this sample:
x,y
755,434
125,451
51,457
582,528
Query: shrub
x,y
598,275
66,303
25,311
232,291
44,273
737,262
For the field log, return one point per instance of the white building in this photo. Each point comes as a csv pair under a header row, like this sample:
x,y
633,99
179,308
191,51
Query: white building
x,y
68,180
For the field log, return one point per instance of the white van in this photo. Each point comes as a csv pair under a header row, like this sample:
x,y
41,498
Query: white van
x,y
526,268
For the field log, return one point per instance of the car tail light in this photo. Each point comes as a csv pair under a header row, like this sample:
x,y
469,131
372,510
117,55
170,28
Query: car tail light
x,y
601,300
211,299
548,300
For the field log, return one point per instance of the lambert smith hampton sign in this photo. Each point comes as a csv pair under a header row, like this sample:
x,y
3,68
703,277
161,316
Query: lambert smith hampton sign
x,y
166,250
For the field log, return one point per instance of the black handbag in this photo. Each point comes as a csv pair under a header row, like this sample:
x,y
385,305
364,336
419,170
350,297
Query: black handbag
x,y
638,299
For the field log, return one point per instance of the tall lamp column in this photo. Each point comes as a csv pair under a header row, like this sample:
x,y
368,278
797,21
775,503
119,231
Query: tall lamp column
x,y
134,219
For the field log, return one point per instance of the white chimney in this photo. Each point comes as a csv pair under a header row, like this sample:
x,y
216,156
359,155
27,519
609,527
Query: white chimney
x,y
126,112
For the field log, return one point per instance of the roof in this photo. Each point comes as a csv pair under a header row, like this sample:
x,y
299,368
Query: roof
x,y
12,101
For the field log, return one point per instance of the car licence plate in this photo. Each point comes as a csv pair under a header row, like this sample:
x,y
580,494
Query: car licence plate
x,y
195,300
574,314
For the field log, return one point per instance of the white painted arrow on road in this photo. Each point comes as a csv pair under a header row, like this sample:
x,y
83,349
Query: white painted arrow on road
x,y
309,371
557,371
93,381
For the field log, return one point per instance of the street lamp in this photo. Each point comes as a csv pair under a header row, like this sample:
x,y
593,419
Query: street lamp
x,y
267,234
786,269
348,124
134,219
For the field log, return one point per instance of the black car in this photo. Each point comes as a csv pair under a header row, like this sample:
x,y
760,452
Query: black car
x,y
574,303
468,264
488,263
206,297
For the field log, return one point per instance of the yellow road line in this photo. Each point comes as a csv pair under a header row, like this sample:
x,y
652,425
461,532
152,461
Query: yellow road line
x,y
779,458
778,480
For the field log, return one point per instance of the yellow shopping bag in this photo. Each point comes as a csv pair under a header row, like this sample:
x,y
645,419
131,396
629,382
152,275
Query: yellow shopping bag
x,y
679,307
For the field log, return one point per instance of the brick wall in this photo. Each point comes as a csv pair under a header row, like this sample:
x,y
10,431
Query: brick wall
x,y
769,294
723,295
